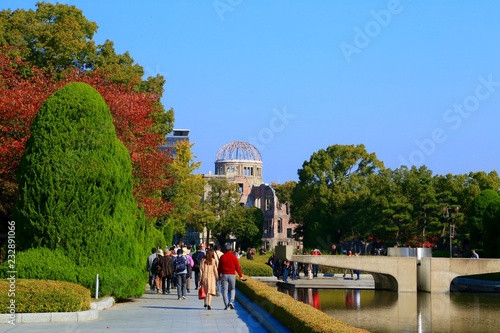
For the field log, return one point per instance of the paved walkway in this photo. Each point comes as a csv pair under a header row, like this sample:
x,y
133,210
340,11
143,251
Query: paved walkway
x,y
158,313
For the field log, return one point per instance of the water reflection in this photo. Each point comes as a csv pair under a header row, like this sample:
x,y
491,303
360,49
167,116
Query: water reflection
x,y
352,298
386,311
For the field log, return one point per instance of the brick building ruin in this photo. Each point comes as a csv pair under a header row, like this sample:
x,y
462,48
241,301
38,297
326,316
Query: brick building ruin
x,y
241,163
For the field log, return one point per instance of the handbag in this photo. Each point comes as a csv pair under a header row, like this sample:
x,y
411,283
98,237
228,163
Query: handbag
x,y
202,293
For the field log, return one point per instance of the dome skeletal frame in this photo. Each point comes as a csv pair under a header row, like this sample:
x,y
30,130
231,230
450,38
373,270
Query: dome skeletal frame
x,y
237,151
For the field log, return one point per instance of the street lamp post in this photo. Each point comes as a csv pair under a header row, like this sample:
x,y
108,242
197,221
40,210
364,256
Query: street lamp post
x,y
451,247
452,216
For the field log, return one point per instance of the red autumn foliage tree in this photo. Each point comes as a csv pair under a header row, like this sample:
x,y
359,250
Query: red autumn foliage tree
x,y
23,89
20,100
132,113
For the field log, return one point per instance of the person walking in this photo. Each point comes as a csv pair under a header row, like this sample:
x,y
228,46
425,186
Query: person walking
x,y
208,275
180,269
218,254
157,267
474,255
349,254
293,270
198,256
286,270
166,263
149,265
187,253
228,265
315,267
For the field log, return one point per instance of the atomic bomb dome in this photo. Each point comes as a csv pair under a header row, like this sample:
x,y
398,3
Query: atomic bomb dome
x,y
240,159
240,163
238,150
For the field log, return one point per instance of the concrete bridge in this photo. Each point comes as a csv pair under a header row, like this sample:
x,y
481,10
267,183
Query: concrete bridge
x,y
407,274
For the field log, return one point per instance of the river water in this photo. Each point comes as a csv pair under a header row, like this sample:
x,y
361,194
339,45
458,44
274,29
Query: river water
x,y
388,311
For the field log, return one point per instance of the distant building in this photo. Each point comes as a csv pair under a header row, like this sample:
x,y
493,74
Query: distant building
x,y
172,138
241,163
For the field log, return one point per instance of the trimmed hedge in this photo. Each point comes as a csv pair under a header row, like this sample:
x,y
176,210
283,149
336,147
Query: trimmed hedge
x,y
45,264
35,296
295,315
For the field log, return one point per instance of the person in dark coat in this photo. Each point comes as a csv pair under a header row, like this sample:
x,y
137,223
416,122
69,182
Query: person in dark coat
x,y
167,272
198,256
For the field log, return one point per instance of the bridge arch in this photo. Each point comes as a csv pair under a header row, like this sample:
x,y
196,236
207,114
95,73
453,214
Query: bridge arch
x,y
408,274
438,273
389,273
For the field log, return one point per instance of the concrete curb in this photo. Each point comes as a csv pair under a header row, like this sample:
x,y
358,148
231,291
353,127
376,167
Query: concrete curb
x,y
103,304
271,324
59,317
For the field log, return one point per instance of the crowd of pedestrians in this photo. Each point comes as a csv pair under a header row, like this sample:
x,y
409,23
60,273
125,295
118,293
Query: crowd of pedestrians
x,y
285,269
213,270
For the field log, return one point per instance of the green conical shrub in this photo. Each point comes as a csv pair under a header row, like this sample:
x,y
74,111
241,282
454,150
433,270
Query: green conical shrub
x,y
75,182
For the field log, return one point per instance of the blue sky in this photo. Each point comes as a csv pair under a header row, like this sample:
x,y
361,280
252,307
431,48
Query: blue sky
x,y
416,82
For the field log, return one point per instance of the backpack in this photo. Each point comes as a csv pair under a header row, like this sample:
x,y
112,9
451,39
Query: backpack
x,y
155,267
180,264
197,257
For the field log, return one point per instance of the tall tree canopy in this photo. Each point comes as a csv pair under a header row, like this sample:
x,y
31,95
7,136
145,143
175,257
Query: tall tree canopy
x,y
184,193
219,206
330,185
412,206
491,225
224,216
284,191
345,193
477,215
59,37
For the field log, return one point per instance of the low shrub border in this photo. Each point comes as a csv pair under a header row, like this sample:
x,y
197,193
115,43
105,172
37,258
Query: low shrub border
x,y
294,315
39,296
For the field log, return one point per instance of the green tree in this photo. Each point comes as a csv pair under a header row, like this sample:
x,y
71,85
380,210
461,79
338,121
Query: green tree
x,y
284,191
397,223
419,190
247,226
225,217
185,191
476,214
59,37
75,181
491,224
220,203
326,198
